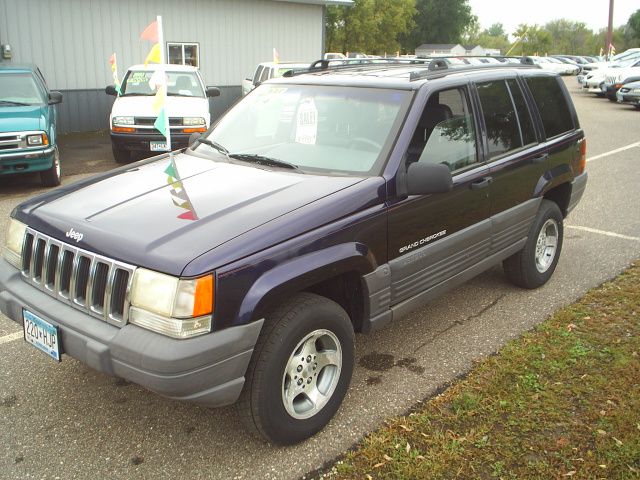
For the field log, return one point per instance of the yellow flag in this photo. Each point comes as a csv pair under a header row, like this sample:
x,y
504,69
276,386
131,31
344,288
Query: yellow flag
x,y
160,99
154,55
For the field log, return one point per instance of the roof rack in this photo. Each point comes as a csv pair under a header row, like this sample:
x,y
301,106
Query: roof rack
x,y
432,67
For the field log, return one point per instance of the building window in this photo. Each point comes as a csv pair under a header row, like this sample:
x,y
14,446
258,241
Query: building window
x,y
184,54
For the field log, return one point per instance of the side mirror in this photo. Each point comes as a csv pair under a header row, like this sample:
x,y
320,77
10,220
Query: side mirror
x,y
426,178
55,97
193,137
213,92
111,90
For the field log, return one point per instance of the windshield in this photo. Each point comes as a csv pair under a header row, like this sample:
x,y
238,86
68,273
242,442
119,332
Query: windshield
x,y
340,130
184,84
20,88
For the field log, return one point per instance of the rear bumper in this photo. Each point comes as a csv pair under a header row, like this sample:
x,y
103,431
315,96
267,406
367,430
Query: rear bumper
x,y
139,142
26,161
578,187
208,370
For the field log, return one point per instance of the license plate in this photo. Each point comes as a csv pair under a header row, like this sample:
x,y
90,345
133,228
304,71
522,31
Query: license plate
x,y
158,146
41,334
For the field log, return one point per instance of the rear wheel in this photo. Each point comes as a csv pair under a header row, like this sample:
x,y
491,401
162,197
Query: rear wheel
x,y
52,176
120,155
532,266
300,370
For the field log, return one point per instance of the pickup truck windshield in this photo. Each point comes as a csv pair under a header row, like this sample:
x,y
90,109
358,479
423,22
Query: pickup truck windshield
x,y
183,84
339,130
19,89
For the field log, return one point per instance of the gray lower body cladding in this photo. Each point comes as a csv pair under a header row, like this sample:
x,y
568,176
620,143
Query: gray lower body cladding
x,y
208,370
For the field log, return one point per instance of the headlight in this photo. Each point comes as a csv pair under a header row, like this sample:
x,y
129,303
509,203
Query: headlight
x,y
193,121
37,140
636,90
14,242
123,120
175,307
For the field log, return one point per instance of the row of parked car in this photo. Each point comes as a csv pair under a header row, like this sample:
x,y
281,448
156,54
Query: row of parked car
x,y
617,79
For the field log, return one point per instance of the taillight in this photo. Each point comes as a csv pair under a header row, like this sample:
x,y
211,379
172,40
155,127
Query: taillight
x,y
583,156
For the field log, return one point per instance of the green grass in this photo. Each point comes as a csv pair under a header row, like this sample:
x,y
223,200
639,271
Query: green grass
x,y
562,401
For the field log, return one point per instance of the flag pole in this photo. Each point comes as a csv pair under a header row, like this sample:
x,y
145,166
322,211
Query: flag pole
x,y
163,61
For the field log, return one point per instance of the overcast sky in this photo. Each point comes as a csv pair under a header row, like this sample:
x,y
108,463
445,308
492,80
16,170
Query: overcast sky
x,y
511,13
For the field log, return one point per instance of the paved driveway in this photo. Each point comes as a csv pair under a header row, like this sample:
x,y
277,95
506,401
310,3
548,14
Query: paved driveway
x,y
67,421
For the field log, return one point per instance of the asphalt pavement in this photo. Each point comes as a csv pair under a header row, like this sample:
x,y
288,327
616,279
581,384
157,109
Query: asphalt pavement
x,y
67,421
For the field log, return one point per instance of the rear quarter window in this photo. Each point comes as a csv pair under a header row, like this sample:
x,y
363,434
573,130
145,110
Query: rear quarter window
x,y
552,105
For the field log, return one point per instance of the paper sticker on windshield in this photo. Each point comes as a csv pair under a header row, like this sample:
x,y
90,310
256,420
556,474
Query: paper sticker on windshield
x,y
307,122
137,78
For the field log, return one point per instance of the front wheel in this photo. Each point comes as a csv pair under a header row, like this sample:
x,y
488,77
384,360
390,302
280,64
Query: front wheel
x,y
300,370
120,155
53,175
533,266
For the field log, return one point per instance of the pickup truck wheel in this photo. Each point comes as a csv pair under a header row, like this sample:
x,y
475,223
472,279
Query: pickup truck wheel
x,y
532,266
52,176
120,155
300,370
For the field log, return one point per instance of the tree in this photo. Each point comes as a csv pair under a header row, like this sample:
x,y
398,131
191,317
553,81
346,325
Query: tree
x,y
371,26
633,27
439,21
532,39
568,37
492,37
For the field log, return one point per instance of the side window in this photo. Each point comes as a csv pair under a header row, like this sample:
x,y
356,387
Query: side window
x,y
445,132
264,76
527,132
500,118
256,77
552,105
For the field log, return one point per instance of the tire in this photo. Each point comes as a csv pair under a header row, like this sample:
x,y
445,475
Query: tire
x,y
612,99
52,176
532,266
120,155
286,367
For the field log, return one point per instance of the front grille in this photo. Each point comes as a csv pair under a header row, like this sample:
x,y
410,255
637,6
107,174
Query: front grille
x,y
146,121
92,283
9,141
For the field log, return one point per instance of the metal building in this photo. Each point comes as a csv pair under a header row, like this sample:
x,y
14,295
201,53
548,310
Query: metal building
x,y
71,41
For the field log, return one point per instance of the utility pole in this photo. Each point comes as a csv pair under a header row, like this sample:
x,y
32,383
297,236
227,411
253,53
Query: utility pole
x,y
607,47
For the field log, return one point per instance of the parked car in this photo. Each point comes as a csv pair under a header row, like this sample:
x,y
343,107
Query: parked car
x,y
321,205
552,64
133,116
334,56
268,70
629,93
28,141
615,78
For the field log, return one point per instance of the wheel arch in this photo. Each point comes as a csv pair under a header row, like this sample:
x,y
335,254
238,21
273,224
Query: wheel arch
x,y
335,273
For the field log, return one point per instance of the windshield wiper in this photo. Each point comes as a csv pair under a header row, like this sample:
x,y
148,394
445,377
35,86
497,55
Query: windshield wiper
x,y
181,95
213,144
262,160
136,94
11,102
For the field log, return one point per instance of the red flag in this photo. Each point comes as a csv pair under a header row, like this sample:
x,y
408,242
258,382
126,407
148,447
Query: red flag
x,y
151,32
112,59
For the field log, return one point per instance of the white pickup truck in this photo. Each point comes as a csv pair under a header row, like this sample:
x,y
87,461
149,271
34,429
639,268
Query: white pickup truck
x,y
268,70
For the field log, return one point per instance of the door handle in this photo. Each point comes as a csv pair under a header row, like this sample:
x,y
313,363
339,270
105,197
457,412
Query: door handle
x,y
540,158
481,183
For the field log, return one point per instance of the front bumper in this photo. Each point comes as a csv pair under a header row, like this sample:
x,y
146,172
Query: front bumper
x,y
208,370
140,141
26,161
632,98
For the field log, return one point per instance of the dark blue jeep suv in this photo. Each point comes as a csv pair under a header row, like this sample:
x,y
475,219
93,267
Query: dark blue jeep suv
x,y
330,202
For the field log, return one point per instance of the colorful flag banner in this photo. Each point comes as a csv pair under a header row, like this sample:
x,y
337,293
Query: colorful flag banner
x,y
178,193
114,70
276,56
154,55
151,32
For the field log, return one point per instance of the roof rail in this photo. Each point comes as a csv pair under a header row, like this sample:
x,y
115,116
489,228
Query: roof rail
x,y
351,63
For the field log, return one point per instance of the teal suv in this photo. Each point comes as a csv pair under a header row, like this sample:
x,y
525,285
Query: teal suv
x,y
28,124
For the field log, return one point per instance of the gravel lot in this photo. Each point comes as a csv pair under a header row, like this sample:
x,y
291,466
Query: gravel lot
x,y
67,421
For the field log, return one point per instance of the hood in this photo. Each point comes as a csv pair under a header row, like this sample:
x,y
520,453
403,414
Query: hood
x,y
20,119
163,214
177,106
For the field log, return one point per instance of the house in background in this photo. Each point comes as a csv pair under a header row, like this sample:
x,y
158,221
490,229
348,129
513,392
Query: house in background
x,y
71,42
427,49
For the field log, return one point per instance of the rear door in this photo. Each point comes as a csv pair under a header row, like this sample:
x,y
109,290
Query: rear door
x,y
517,160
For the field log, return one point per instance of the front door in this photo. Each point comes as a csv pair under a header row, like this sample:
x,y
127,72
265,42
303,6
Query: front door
x,y
433,237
